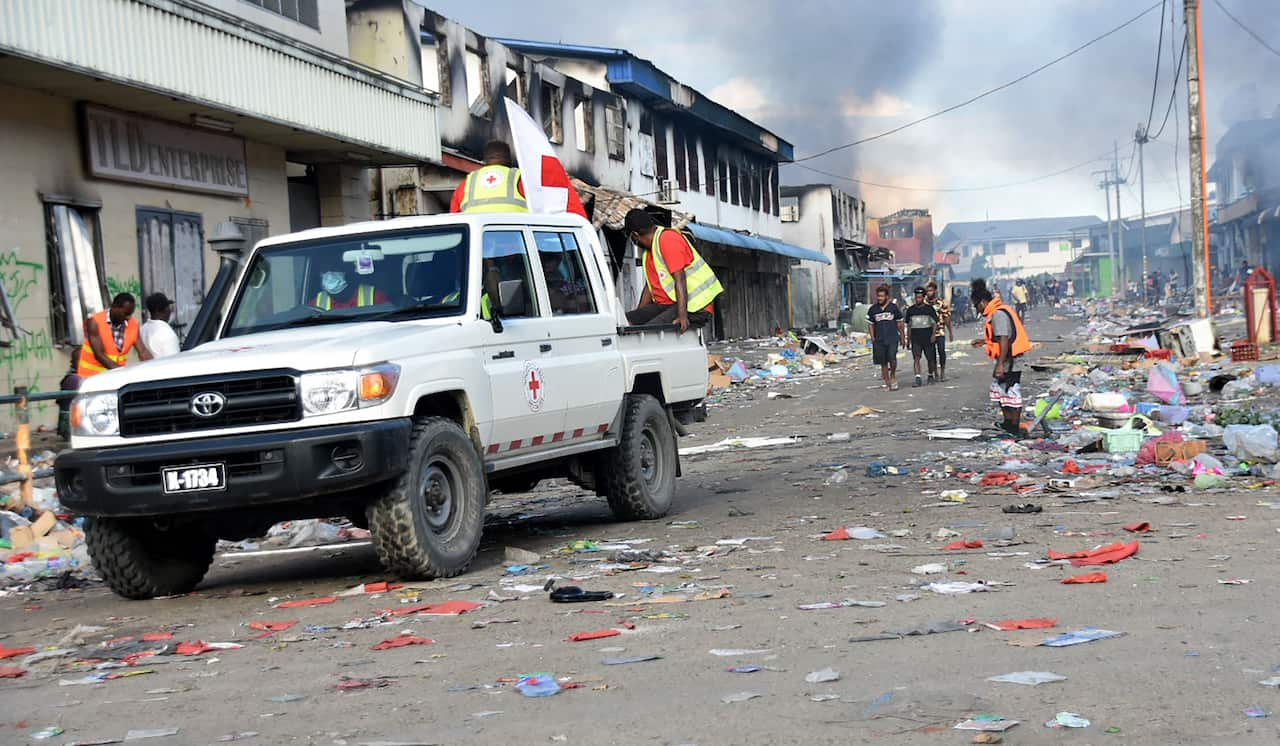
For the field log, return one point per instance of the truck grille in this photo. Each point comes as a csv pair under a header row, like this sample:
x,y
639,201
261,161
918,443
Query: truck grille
x,y
256,398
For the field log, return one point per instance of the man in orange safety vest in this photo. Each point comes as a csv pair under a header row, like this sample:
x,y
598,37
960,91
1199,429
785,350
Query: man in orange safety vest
x,y
109,336
1005,341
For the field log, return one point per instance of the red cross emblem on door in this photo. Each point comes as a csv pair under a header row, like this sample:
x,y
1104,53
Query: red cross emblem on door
x,y
534,386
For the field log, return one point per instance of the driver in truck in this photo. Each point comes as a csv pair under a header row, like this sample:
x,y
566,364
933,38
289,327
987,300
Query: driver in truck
x,y
679,284
337,290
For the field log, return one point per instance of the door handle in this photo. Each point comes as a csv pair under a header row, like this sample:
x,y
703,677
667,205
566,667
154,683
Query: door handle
x,y
544,347
606,342
505,355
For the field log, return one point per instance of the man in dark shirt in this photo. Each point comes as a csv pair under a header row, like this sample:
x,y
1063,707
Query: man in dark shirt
x,y
887,336
922,320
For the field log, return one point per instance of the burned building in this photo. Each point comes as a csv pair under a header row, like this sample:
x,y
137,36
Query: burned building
x,y
907,233
1245,227
629,131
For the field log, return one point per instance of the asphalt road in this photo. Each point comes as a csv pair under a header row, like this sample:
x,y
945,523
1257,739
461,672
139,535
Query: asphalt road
x,y
1185,670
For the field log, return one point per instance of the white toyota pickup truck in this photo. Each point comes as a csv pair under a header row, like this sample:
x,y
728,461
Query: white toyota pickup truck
x,y
394,372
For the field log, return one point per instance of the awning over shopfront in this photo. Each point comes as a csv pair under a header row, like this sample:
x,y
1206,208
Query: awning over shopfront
x,y
181,60
754,243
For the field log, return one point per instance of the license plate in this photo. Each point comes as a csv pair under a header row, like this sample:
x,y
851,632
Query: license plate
x,y
196,478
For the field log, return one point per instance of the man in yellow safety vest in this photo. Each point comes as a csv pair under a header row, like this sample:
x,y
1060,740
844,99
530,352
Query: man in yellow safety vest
x,y
494,187
680,285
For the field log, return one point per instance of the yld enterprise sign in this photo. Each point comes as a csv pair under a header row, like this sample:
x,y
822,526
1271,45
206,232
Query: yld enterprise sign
x,y
132,148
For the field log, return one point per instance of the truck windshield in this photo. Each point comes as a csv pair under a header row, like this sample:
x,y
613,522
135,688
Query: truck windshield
x,y
399,275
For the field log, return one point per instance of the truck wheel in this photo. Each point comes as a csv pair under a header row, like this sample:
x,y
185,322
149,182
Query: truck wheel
x,y
640,473
428,524
139,559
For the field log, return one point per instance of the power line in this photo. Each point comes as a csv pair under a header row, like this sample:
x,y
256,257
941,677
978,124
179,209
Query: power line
x,y
984,94
1104,156
1155,84
1133,161
1173,93
1247,30
1182,55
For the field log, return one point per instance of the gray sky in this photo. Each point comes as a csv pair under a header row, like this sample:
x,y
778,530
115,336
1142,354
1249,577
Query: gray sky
x,y
824,73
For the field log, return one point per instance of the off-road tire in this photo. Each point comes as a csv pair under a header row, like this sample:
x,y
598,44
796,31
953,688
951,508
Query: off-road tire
x,y
138,559
639,474
415,540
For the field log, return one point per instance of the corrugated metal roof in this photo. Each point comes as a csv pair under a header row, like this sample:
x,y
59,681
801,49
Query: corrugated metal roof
x,y
192,53
611,206
754,243
1003,230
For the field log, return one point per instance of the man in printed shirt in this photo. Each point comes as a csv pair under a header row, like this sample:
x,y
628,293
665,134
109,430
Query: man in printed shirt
x,y
888,333
941,331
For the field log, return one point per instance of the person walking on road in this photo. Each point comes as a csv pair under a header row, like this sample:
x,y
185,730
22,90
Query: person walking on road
x,y
1021,298
1005,341
109,336
887,335
679,284
922,320
157,334
942,330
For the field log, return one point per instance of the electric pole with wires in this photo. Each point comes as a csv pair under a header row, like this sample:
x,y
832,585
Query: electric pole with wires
x,y
1195,139
1140,137
1117,181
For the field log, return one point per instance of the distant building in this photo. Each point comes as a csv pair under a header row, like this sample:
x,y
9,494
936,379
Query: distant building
x,y
1008,249
1168,241
827,219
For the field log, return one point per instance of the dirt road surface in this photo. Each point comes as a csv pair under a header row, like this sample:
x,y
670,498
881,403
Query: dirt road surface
x,y
1187,667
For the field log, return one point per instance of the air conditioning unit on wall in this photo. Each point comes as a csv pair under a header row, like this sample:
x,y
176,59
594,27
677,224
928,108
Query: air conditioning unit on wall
x,y
667,192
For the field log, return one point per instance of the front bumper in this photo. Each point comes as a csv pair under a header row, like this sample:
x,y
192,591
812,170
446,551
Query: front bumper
x,y
261,469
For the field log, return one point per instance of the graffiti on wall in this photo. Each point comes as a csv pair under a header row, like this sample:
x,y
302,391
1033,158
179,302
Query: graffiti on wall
x,y
21,362
118,285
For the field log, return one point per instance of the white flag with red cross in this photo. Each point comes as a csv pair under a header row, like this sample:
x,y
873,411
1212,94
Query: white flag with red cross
x,y
546,184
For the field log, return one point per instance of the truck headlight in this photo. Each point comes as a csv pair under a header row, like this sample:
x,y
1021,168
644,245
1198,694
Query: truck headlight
x,y
332,391
96,414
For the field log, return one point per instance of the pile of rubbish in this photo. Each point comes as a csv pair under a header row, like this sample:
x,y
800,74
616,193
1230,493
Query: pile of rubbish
x,y
783,357
39,539
1159,396
296,534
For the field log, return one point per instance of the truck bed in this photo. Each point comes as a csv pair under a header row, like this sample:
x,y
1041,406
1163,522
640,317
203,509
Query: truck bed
x,y
680,359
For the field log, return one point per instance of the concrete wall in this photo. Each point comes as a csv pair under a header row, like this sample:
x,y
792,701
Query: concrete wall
x,y
827,216
42,155
331,36
709,208
816,230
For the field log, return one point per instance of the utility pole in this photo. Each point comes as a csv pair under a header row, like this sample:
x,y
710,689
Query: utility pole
x,y
1105,185
1115,165
1140,137
1195,110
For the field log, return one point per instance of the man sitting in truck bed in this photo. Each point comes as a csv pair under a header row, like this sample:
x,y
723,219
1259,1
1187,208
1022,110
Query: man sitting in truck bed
x,y
680,285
